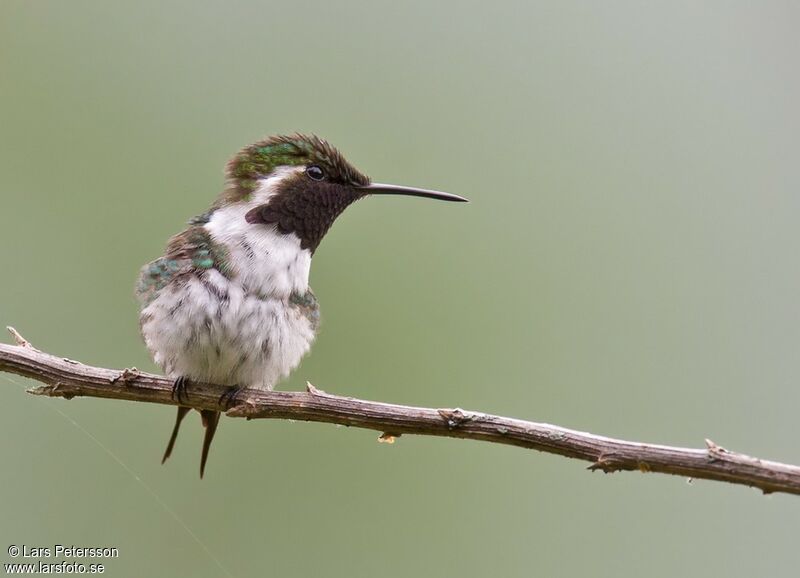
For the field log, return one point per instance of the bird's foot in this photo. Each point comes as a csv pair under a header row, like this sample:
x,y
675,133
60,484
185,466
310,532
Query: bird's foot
x,y
230,398
179,393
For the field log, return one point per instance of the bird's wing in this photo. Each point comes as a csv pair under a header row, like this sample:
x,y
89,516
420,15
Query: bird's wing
x,y
191,251
308,306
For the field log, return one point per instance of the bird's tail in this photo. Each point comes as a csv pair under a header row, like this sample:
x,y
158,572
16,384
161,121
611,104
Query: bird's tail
x,y
182,411
210,420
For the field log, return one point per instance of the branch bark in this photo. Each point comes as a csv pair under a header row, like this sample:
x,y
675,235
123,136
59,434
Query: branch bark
x,y
66,378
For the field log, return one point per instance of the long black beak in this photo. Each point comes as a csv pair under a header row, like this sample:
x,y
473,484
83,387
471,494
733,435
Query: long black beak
x,y
382,189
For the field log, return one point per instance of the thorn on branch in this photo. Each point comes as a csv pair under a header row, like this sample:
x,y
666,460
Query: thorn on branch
x,y
454,417
126,375
56,390
244,408
607,464
19,339
313,390
715,452
39,390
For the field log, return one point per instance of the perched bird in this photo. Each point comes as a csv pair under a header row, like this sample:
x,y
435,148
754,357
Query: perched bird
x,y
229,301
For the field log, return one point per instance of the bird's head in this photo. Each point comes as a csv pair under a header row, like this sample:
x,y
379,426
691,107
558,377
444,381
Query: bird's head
x,y
299,184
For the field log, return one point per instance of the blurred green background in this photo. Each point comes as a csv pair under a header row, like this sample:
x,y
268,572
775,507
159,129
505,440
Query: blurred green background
x,y
628,266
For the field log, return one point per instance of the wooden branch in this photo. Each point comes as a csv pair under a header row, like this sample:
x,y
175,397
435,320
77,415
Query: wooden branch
x,y
66,378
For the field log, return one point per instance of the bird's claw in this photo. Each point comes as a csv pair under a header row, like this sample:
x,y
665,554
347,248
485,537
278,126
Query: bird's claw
x,y
179,392
230,397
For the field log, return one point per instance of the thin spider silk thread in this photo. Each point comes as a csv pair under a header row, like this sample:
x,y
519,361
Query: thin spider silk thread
x,y
135,476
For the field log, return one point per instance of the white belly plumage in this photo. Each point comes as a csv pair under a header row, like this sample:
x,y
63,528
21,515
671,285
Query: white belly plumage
x,y
207,328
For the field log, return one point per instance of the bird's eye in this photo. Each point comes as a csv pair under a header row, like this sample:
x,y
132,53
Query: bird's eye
x,y
315,173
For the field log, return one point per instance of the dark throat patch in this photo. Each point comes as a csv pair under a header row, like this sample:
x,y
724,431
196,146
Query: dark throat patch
x,y
306,208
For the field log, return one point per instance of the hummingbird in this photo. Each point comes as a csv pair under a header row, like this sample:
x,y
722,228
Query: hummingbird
x,y
229,301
